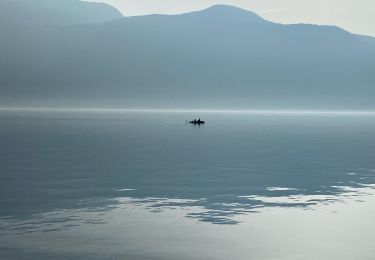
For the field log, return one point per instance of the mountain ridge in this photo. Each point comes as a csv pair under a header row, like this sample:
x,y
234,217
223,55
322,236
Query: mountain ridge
x,y
191,60
56,12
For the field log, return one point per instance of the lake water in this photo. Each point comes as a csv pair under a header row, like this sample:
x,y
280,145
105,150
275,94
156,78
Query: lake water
x,y
138,185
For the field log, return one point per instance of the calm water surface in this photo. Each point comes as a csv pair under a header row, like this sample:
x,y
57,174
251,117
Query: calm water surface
x,y
77,185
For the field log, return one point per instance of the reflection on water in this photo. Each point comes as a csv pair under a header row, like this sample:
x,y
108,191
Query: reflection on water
x,y
218,213
63,172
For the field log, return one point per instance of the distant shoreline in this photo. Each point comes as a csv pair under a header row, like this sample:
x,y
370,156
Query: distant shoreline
x,y
208,111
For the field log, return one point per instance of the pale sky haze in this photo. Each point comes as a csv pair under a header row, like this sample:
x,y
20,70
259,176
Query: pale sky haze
x,y
357,16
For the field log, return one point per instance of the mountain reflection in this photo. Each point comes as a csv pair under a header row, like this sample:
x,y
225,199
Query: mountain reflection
x,y
220,208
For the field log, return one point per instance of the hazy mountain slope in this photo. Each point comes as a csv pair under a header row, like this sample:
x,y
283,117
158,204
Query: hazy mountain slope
x,y
368,39
57,12
219,57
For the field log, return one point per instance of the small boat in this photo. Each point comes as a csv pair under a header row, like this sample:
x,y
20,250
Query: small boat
x,y
197,122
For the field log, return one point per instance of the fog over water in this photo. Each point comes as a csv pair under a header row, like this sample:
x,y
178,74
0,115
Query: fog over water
x,y
189,111
222,133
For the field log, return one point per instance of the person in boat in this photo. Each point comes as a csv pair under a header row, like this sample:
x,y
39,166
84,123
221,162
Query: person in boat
x,y
197,122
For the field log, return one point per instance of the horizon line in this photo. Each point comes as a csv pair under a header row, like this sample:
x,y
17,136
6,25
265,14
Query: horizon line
x,y
212,111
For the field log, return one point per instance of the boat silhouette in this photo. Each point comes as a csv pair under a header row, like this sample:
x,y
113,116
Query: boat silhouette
x,y
197,122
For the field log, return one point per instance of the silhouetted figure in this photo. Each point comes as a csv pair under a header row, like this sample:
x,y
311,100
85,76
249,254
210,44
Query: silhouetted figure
x,y
197,122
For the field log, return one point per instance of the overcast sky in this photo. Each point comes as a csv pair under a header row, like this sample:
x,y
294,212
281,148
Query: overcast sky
x,y
357,16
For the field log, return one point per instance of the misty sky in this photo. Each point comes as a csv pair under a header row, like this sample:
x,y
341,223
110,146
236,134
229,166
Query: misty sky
x,y
357,16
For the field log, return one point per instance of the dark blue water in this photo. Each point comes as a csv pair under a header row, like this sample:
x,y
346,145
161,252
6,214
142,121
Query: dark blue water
x,y
70,173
